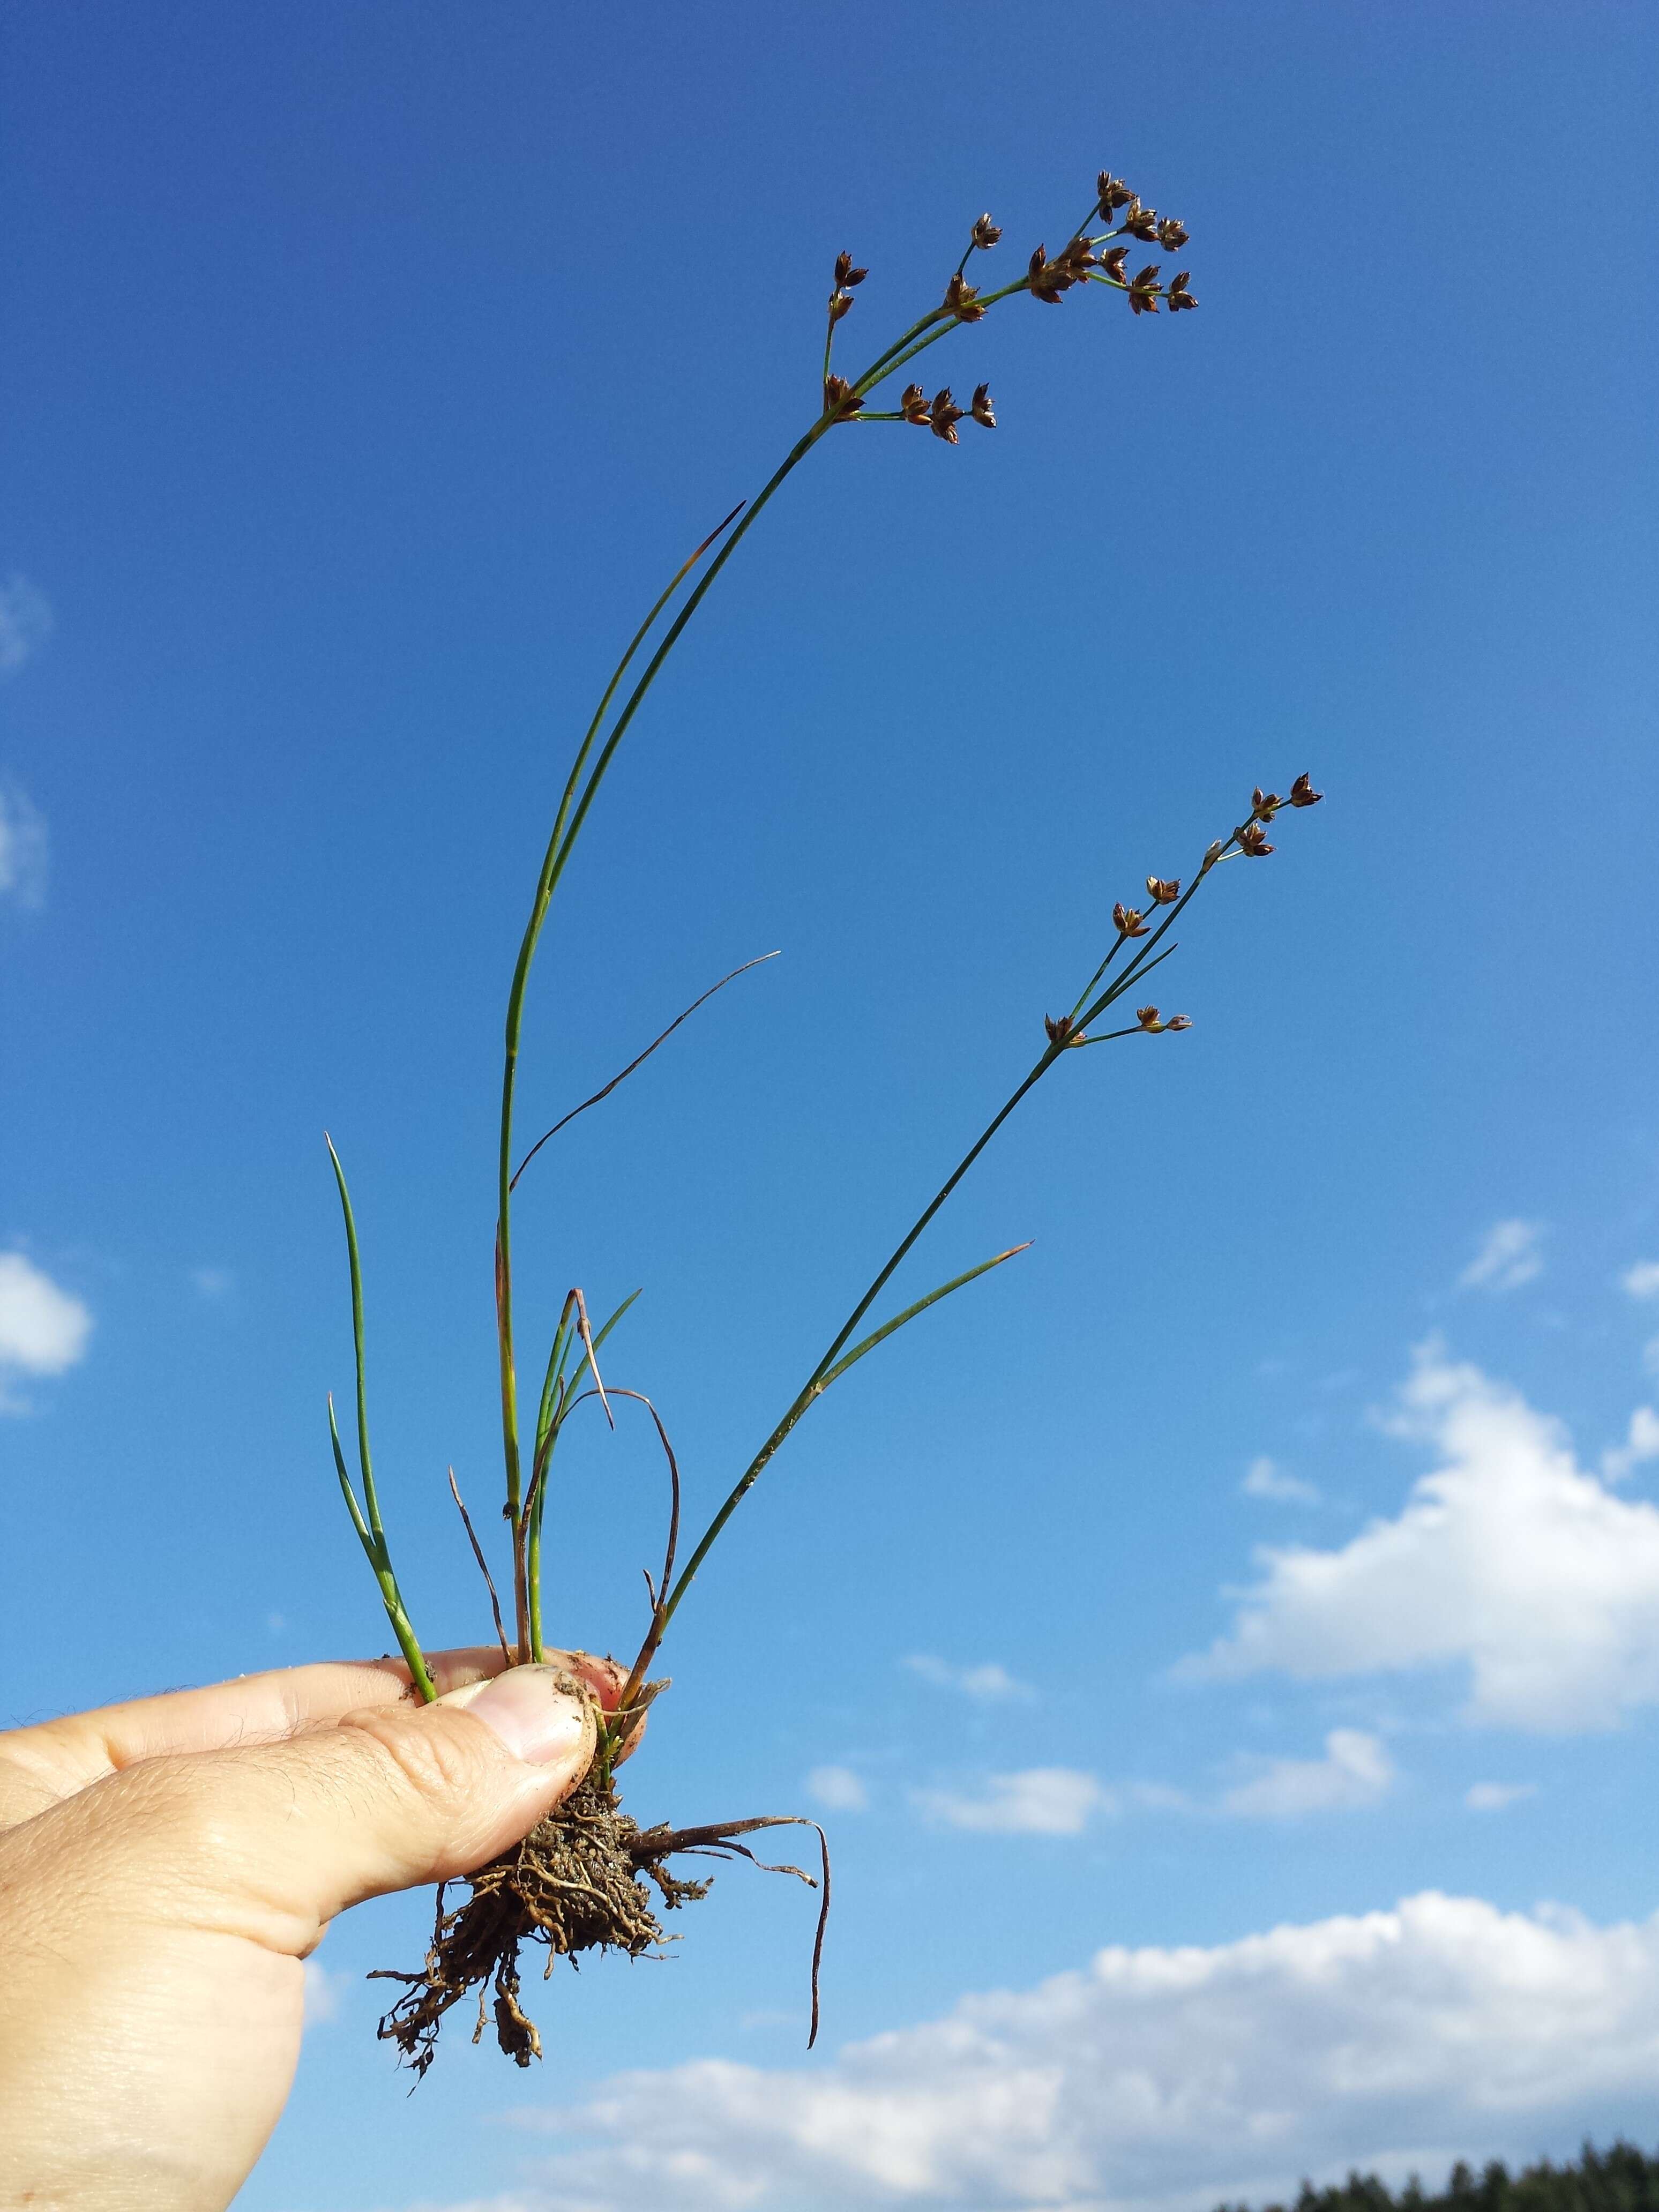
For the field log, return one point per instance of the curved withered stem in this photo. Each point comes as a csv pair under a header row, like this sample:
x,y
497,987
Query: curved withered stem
x,y
715,1841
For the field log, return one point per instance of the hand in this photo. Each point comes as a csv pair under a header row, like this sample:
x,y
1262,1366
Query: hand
x,y
165,1867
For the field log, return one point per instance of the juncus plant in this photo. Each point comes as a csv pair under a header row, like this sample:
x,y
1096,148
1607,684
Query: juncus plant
x,y
578,1882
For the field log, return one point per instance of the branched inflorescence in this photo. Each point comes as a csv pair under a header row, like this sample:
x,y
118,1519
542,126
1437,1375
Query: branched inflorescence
x,y
1047,278
573,1884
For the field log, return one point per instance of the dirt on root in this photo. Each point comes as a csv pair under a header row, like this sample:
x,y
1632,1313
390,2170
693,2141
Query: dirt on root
x,y
576,1883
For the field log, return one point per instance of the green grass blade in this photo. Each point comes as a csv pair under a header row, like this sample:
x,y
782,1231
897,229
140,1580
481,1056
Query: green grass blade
x,y
888,1328
371,1531
547,1436
1125,982
348,1492
371,1500
599,1338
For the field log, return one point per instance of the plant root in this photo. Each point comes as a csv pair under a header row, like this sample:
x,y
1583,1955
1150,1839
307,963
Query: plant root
x,y
574,1884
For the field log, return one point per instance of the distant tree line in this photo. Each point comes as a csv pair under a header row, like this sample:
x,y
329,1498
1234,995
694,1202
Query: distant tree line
x,y
1620,2178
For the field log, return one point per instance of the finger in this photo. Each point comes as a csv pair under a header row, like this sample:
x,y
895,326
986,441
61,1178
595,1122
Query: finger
x,y
270,1841
40,1765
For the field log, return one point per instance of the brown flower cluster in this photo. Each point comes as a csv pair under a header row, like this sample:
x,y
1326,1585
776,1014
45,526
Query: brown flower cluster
x,y
1083,259
840,401
940,414
1049,281
1264,805
841,297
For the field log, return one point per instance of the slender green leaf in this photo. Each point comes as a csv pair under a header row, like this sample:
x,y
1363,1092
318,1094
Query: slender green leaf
x,y
910,1313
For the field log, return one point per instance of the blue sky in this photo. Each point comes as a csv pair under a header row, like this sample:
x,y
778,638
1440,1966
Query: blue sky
x,y
369,368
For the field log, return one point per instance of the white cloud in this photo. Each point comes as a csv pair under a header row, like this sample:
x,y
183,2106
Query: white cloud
x,y
25,623
987,1681
1355,1771
837,1789
1642,1280
212,1282
322,1988
43,1330
1509,1560
23,848
1642,1442
1508,1257
1161,2080
1042,1801
1495,1797
1267,1478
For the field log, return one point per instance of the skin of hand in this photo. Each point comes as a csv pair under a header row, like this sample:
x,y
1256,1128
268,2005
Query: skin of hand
x,y
166,1866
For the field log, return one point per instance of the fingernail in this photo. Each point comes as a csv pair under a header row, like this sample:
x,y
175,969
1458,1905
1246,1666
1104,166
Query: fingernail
x,y
537,1713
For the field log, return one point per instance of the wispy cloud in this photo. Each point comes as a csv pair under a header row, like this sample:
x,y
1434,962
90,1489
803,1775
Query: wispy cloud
x,y
322,1992
837,1789
1496,1796
1508,1257
1356,1772
43,1330
1267,1478
1040,1800
23,848
212,1282
1642,1442
987,1681
1509,1560
26,623
1642,1280
1162,2078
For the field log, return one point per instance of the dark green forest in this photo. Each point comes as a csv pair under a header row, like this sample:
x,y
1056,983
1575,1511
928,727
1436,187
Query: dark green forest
x,y
1620,2178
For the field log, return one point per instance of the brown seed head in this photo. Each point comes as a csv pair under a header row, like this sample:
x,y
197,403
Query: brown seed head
x,y
838,304
1163,894
840,402
1253,841
962,300
1141,222
1044,281
986,234
944,416
982,411
1113,192
1264,805
1211,853
1113,263
1177,296
1048,279
1179,1022
1302,792
1172,234
1058,1027
1128,921
1143,292
1148,1017
913,404
845,272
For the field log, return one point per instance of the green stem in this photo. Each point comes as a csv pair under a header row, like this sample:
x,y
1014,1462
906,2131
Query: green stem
x,y
371,1531
572,814
567,831
812,1387
817,1382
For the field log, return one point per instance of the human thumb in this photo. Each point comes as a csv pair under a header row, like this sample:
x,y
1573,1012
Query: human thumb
x,y
288,1834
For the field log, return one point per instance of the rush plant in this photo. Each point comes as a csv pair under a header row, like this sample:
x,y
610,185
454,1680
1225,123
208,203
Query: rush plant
x,y
577,1883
